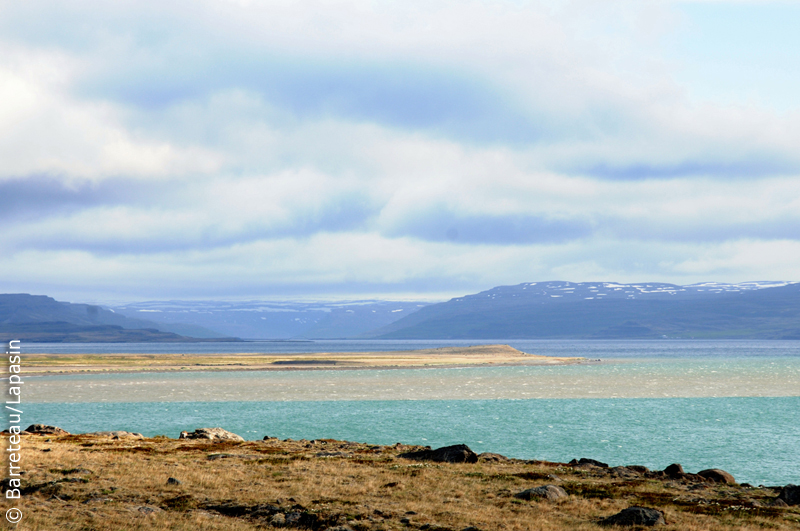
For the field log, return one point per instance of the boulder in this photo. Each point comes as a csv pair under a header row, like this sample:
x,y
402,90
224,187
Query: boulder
x,y
790,494
493,458
214,434
458,453
717,476
42,429
546,492
674,470
587,462
636,516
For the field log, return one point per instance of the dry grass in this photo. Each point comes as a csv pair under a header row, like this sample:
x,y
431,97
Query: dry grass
x,y
481,355
86,482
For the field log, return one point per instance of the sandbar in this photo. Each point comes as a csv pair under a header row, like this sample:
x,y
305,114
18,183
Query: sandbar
x,y
473,356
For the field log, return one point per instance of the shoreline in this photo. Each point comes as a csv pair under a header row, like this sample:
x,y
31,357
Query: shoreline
x,y
444,357
211,479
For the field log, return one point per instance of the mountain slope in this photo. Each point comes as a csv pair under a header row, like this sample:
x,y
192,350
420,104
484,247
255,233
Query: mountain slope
x,y
610,310
42,318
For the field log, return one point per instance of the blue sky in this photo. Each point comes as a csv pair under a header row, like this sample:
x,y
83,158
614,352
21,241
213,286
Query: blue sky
x,y
349,149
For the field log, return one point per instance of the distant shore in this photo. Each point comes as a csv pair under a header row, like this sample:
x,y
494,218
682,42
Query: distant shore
x,y
474,356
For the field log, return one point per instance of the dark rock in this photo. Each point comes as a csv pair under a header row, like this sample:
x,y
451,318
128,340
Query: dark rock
x,y
674,470
546,492
493,458
584,461
790,494
42,429
173,481
778,502
717,476
217,434
624,472
635,516
458,453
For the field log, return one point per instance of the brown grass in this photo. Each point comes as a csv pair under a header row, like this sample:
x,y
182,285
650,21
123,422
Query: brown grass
x,y
85,482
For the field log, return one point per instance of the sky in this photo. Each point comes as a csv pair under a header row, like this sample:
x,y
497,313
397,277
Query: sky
x,y
244,149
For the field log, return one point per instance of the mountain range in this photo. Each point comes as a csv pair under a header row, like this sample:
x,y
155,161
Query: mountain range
x,y
609,310
538,310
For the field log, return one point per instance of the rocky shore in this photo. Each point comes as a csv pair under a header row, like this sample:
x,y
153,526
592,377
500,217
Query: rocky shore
x,y
210,478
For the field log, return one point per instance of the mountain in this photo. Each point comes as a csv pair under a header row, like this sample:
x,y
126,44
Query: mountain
x,y
598,310
38,318
276,319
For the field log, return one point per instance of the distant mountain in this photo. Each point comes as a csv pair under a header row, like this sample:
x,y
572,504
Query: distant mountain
x,y
276,319
597,310
38,318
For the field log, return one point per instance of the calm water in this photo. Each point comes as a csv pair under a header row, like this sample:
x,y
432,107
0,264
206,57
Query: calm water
x,y
733,405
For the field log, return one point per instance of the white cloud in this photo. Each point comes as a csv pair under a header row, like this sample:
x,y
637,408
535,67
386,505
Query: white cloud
x,y
229,146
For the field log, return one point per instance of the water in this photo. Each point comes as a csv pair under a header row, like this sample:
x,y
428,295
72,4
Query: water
x,y
755,439
733,405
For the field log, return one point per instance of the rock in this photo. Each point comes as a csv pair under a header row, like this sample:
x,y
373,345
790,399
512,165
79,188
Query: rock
x,y
778,502
674,470
584,462
146,509
42,429
215,434
624,472
790,494
173,481
278,520
635,516
546,492
718,476
493,458
339,528
458,453
117,434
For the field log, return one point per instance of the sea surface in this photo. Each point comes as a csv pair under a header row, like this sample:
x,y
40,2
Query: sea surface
x,y
733,405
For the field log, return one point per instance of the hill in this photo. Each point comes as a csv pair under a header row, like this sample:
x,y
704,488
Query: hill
x,y
38,318
608,310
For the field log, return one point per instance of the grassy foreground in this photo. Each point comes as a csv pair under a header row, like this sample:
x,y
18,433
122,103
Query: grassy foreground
x,y
481,355
90,482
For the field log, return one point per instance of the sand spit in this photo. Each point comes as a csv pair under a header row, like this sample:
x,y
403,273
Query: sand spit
x,y
475,356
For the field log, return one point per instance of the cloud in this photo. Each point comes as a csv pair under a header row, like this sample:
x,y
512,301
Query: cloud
x,y
214,148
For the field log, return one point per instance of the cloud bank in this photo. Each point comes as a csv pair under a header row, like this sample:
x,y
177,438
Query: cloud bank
x,y
416,149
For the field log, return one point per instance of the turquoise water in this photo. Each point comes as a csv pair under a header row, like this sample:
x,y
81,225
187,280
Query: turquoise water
x,y
755,439
733,405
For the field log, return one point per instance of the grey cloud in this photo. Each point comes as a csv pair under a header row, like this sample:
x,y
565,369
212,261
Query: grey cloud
x,y
338,214
40,196
441,225
702,231
766,165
